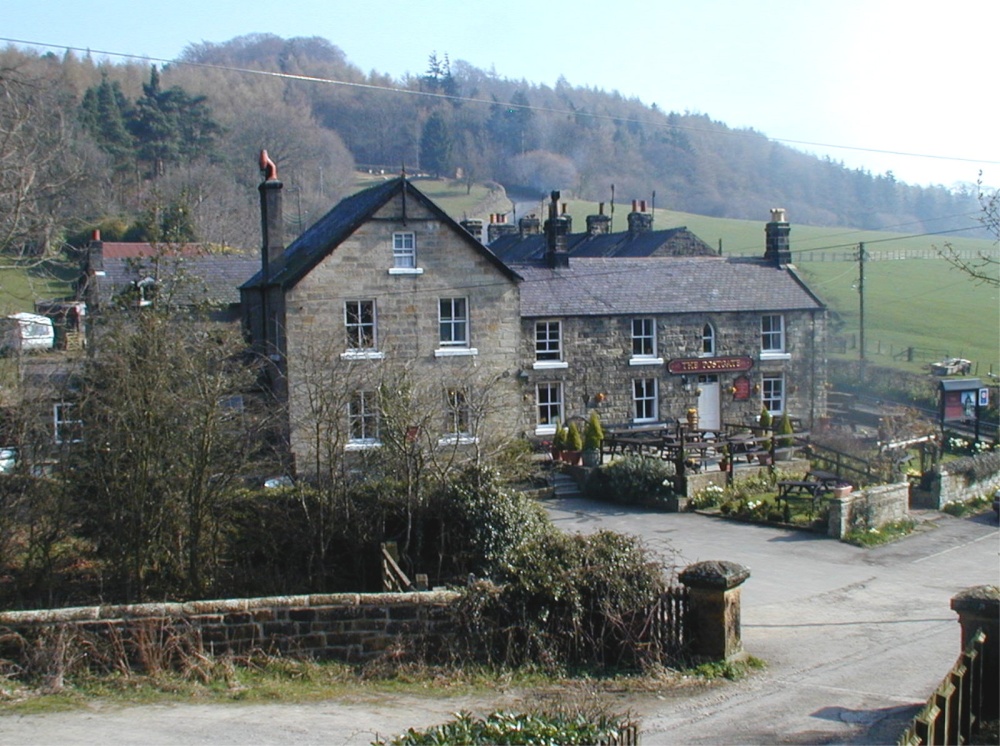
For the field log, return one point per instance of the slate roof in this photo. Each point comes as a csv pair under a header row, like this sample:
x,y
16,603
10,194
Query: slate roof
x,y
658,285
306,251
513,247
213,279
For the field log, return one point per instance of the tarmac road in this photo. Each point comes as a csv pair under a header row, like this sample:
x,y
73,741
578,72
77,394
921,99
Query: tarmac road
x,y
855,641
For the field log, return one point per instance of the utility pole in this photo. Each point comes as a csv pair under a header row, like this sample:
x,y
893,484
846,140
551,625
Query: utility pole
x,y
861,310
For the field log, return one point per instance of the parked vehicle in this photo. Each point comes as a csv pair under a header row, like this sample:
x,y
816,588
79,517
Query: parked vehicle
x,y
26,331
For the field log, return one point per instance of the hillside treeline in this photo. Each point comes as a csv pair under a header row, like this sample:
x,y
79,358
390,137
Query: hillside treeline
x,y
153,153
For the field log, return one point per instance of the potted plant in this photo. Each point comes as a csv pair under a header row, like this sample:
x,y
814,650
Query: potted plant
x,y
593,437
843,489
558,442
574,444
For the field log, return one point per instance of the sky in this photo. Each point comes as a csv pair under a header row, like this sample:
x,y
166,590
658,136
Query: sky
x,y
896,86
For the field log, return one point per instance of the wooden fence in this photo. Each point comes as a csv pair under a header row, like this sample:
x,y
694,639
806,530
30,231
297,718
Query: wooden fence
x,y
668,627
627,735
952,714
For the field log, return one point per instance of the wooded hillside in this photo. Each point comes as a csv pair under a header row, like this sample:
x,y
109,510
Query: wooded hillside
x,y
171,154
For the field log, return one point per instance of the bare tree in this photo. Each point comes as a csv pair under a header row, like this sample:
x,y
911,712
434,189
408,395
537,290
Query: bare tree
x,y
984,268
39,167
166,435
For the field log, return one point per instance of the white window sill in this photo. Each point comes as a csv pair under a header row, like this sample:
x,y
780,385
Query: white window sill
x,y
406,270
545,430
458,440
645,361
706,354
362,355
549,365
644,421
362,445
775,355
455,352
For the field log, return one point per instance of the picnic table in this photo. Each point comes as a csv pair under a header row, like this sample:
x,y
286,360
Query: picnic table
x,y
810,492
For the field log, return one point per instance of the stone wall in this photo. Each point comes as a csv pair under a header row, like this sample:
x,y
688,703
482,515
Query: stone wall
x,y
871,508
350,627
964,479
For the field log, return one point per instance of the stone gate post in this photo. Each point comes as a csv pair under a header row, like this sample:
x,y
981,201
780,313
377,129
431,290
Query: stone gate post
x,y
712,620
979,608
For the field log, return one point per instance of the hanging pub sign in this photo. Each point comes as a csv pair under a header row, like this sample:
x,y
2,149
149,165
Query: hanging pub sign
x,y
685,365
741,388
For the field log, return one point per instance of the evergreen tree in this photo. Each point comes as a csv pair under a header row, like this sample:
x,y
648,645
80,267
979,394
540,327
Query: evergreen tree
x,y
171,126
103,113
435,145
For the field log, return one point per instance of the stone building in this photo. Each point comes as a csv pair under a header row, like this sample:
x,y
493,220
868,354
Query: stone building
x,y
385,293
643,339
386,288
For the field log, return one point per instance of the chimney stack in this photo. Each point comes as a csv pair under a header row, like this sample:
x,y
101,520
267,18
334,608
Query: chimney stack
x,y
475,228
600,223
271,218
639,221
777,249
556,228
498,227
529,225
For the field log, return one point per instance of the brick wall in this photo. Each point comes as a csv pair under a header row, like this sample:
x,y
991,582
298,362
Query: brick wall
x,y
350,627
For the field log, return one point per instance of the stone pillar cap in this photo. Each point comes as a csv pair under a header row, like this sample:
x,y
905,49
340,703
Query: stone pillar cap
x,y
720,574
982,598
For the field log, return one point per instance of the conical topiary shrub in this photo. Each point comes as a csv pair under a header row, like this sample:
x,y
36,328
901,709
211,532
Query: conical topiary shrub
x,y
785,428
593,433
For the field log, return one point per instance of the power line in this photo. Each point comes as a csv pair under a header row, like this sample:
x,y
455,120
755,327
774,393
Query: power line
x,y
491,102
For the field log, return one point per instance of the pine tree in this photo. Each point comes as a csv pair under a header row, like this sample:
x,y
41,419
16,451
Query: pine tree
x,y
435,145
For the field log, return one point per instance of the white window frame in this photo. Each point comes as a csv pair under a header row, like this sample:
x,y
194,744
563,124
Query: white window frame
x,y
354,335
548,345
643,337
404,254
63,420
458,418
772,393
772,337
548,406
645,400
708,340
449,322
363,420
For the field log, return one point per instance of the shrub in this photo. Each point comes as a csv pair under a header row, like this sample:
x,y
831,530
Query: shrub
x,y
514,728
574,441
593,433
630,480
785,428
559,439
567,601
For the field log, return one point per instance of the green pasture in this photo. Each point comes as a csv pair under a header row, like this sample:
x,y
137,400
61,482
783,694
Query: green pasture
x,y
920,303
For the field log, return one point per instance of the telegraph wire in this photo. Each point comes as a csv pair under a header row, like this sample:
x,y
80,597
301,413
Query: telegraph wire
x,y
491,102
